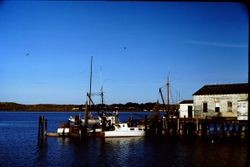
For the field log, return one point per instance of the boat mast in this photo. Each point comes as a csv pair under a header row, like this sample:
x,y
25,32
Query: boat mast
x,y
89,95
90,80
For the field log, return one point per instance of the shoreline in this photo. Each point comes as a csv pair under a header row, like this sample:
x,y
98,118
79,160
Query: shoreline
x,y
27,111
128,107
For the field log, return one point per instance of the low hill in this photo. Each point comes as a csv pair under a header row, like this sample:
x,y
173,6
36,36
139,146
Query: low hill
x,y
11,106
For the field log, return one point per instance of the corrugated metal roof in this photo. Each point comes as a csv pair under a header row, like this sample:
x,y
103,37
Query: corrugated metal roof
x,y
223,89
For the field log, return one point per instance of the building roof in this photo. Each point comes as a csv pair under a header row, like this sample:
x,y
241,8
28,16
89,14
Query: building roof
x,y
240,88
186,102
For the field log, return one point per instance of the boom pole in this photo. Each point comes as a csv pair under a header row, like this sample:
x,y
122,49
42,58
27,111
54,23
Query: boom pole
x,y
163,101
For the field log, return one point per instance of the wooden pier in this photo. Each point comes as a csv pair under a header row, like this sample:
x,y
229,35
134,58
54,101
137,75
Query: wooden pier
x,y
208,128
217,128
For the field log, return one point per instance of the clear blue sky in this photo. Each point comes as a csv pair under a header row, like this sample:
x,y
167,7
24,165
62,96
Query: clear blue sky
x,y
46,47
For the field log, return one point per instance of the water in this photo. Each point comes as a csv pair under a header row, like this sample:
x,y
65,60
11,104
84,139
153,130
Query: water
x,y
18,147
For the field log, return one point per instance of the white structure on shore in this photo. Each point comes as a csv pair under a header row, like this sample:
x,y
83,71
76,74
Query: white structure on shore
x,y
227,100
186,109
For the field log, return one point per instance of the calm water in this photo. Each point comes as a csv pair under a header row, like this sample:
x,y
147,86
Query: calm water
x,y
18,147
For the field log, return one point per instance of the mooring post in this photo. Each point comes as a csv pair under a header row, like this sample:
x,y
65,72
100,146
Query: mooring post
x,y
39,129
42,130
146,123
215,129
200,130
228,130
184,127
46,127
178,124
243,131
197,125
222,129
205,128
239,130
234,130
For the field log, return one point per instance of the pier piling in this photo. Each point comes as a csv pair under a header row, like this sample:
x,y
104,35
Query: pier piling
x,y
42,130
206,128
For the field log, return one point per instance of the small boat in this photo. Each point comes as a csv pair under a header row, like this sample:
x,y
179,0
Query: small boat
x,y
123,130
63,131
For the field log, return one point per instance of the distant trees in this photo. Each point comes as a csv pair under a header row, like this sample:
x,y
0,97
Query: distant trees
x,y
130,106
10,106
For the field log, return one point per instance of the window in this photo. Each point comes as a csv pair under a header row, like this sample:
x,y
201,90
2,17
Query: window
x,y
229,106
244,105
217,107
205,107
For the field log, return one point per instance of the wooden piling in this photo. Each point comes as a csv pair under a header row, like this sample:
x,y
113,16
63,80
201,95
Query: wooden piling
x,y
42,130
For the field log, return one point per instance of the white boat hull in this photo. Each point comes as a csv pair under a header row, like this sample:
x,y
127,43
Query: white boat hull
x,y
123,134
122,130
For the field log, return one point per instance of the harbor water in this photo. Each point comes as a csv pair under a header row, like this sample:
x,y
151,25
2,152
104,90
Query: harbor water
x,y
18,146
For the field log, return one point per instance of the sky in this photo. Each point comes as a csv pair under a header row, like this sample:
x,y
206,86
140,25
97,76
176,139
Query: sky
x,y
46,49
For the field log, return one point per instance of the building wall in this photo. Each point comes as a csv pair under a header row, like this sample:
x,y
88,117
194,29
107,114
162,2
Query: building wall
x,y
242,111
220,101
184,110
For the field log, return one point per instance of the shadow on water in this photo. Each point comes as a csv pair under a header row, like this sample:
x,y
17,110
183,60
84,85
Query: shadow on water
x,y
41,153
195,152
148,151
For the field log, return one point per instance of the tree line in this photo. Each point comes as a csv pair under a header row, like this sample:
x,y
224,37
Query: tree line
x,y
130,106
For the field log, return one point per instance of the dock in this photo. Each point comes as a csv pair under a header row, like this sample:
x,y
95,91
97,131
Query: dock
x,y
219,128
205,128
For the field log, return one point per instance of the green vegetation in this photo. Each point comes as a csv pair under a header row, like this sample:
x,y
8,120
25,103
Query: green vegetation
x,y
10,106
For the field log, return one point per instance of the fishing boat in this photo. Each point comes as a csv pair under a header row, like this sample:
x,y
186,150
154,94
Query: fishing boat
x,y
107,125
89,123
123,130
132,128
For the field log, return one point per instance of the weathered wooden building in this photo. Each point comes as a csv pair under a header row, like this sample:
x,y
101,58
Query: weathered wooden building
x,y
186,109
224,100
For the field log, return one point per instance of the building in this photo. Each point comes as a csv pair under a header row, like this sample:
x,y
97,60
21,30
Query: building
x,y
186,109
226,100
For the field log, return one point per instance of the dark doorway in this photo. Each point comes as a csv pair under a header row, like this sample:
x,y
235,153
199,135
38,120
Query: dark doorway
x,y
190,111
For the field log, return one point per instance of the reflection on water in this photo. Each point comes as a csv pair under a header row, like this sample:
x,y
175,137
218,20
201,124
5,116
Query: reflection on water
x,y
123,140
18,147
63,141
148,152
123,150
